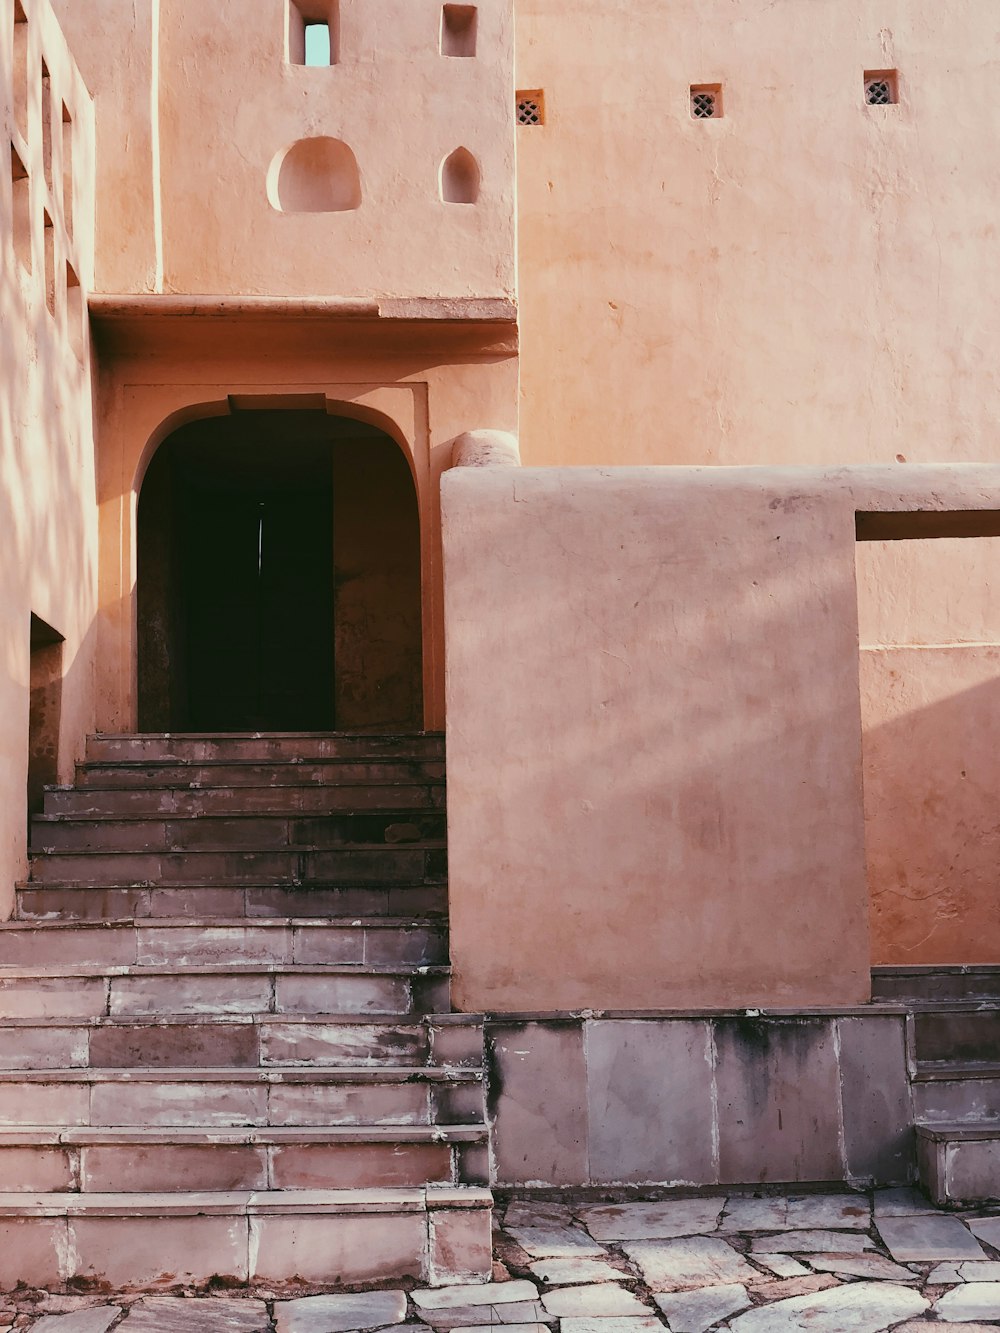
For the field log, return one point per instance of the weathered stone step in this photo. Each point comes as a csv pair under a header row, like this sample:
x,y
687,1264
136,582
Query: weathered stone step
x,y
227,1097
118,802
376,941
97,903
949,1091
931,984
440,1233
219,990
253,773
382,865
44,1158
246,1041
959,1162
955,1031
188,747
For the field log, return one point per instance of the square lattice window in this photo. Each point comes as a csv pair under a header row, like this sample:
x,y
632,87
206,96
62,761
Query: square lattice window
x,y
706,101
881,88
531,107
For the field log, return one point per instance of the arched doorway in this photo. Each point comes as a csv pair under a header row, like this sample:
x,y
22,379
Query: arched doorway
x,y
279,578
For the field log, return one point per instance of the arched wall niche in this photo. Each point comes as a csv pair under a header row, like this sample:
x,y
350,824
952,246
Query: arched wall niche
x,y
317,175
278,570
460,178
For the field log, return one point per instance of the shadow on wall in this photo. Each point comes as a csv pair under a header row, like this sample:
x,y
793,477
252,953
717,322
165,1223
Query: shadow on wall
x,y
932,801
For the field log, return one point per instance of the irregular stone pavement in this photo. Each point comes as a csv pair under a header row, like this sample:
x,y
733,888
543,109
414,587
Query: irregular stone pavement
x,y
774,1263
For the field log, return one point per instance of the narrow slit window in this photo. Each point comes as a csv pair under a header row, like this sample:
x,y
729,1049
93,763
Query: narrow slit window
x,y
20,70
50,265
67,170
459,24
47,126
75,312
706,101
313,33
22,210
531,107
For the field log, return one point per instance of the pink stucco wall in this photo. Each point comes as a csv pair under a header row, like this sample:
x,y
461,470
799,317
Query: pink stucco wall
x,y
48,515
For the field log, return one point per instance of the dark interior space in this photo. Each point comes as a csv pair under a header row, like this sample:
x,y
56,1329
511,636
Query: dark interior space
x,y
44,711
279,578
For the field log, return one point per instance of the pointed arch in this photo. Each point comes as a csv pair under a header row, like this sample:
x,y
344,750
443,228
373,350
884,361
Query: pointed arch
x,y
460,178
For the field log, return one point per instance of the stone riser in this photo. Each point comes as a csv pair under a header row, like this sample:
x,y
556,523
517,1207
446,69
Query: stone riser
x,y
256,832
266,1238
227,1099
80,802
265,1042
931,984
947,1100
95,903
374,943
381,866
275,746
957,1033
959,1166
143,993
172,1168
325,774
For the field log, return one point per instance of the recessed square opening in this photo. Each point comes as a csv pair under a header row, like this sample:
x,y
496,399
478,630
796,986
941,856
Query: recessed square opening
x,y
20,70
459,26
314,33
44,711
531,107
706,101
881,87
22,210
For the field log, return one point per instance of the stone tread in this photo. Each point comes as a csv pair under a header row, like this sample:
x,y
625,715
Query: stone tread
x,y
255,1074
244,1202
946,1070
964,1131
61,1136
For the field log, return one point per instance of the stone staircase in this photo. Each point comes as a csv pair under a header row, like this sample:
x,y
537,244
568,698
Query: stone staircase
x,y
226,1047
955,1074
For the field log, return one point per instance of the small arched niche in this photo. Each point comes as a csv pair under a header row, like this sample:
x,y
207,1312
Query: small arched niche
x,y
460,178
315,176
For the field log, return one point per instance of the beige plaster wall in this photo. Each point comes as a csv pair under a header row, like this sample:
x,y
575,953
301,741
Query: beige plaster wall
x,y
805,280
930,685
48,520
196,102
654,741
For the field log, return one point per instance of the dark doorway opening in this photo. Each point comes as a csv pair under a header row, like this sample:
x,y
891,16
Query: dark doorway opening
x,y
279,578
44,711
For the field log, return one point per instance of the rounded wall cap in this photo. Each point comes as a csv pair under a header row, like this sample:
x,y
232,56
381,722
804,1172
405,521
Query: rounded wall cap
x,y
486,448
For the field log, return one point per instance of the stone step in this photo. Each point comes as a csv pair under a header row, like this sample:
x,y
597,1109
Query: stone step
x,y
959,1162
437,1234
362,941
952,1091
956,1031
43,1158
256,832
298,746
382,865
220,990
178,801
241,1041
90,902
218,1098
256,773
931,984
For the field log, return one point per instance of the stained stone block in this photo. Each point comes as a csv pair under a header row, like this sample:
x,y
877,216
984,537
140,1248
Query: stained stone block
x,y
649,1090
461,1244
555,1242
878,1116
779,1099
341,1312
922,1239
814,1242
862,1307
592,1302
904,1202
695,1261
540,1132
33,1250
652,1221
489,1293
98,1319
472,1316
567,1272
696,1311
528,1213
137,1252
166,1314
871,1266
781,1265
338,1248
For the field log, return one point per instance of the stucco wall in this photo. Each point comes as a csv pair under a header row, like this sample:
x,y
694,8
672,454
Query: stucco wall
x,y
48,518
807,279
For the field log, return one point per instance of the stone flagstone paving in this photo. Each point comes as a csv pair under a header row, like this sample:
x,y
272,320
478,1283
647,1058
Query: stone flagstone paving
x,y
814,1263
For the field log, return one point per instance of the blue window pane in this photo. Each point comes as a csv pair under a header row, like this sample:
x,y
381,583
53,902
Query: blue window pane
x,y
318,44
